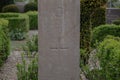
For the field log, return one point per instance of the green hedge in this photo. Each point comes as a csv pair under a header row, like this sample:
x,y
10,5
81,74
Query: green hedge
x,y
100,32
89,19
33,19
18,25
4,41
89,12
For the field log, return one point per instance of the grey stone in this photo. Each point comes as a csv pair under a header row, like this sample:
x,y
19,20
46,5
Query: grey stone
x,y
112,14
20,6
59,32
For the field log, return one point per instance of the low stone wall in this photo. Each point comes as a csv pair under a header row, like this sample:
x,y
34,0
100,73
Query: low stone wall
x,y
112,14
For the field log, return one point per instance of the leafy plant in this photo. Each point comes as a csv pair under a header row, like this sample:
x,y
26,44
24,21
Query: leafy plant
x,y
28,71
31,46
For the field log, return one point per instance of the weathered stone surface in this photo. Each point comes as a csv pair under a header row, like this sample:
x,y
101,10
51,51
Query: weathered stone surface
x,y
59,32
112,14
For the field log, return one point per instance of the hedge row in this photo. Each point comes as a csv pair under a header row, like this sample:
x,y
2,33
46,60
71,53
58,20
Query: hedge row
x,y
33,19
4,41
89,19
92,15
100,32
18,25
98,17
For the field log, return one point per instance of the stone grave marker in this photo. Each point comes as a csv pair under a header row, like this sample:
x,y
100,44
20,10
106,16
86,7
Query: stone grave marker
x,y
59,37
112,14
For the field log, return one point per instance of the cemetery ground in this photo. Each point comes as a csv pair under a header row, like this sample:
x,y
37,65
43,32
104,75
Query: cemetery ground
x,y
9,70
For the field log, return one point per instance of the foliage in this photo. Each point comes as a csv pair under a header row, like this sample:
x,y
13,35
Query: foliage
x,y
18,25
109,57
10,8
33,19
89,11
83,55
32,6
100,32
108,54
4,41
31,46
28,71
4,3
98,17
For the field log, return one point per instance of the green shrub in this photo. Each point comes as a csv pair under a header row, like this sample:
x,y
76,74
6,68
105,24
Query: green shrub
x,y
33,19
116,22
4,41
30,7
18,25
10,8
31,46
100,32
109,57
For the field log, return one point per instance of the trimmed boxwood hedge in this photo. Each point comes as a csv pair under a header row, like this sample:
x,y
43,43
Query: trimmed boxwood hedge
x,y
100,32
18,25
4,41
33,19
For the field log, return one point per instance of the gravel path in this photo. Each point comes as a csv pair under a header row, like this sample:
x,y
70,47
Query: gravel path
x,y
9,71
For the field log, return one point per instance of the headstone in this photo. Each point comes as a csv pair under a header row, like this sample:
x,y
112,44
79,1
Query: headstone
x,y
112,14
20,6
59,32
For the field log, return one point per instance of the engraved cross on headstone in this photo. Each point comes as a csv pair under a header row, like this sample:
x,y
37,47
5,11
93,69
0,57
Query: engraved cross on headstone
x,y
59,24
60,41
